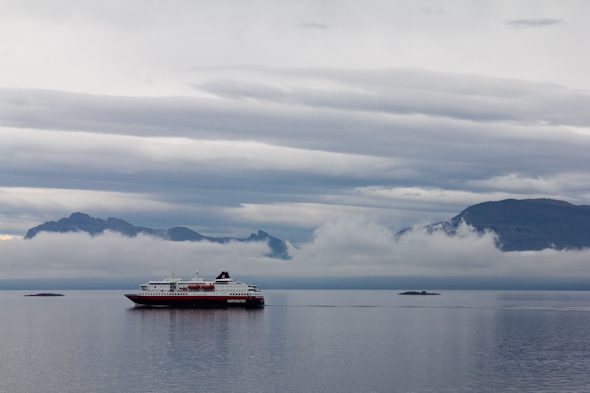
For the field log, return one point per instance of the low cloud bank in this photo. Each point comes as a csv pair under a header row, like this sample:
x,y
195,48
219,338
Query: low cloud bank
x,y
53,255
367,248
342,249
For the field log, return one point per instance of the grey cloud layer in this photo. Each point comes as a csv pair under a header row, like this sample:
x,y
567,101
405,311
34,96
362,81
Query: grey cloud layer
x,y
531,23
463,97
403,112
313,25
266,140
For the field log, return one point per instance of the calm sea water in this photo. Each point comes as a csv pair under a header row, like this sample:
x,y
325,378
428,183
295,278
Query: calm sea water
x,y
303,341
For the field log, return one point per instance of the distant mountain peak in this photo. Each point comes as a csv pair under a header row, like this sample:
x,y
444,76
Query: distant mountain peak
x,y
525,224
82,222
183,234
260,235
78,216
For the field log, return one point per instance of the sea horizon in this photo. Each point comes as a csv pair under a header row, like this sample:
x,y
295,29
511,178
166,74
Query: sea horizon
x,y
324,283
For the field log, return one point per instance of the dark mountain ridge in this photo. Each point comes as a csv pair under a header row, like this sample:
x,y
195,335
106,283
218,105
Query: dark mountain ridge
x,y
527,224
81,222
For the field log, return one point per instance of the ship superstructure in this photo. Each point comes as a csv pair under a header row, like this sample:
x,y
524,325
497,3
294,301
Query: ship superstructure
x,y
197,292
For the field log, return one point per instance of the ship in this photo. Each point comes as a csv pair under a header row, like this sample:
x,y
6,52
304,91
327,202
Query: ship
x,y
224,291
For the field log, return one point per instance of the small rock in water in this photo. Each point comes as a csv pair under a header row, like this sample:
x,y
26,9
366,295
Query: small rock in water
x,y
47,294
423,293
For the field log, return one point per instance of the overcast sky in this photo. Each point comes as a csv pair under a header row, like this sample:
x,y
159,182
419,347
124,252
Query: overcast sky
x,y
297,117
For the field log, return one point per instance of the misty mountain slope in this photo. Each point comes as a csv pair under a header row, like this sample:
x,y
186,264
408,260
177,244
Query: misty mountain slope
x,y
81,222
529,224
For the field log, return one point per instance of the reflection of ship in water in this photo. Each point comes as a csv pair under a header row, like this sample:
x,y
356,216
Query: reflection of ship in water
x,y
196,292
